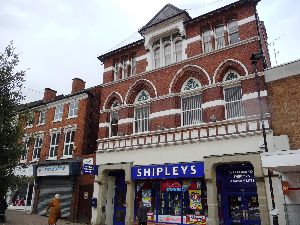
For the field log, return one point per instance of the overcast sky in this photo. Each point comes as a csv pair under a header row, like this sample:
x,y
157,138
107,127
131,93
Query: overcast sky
x,y
61,39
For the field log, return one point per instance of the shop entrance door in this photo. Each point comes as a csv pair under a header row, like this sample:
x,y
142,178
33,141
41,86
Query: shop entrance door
x,y
243,209
120,199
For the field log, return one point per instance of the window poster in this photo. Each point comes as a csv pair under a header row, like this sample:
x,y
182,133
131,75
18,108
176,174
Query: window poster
x,y
195,199
146,197
194,219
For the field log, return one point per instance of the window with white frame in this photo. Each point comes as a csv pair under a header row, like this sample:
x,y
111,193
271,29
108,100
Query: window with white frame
x,y
58,113
220,40
156,57
30,119
171,49
191,105
133,66
124,69
207,43
69,142
114,119
25,149
233,96
142,112
37,148
54,145
42,117
167,54
116,71
178,51
73,109
233,32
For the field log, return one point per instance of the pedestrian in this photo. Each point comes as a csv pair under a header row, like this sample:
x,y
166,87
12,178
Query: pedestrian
x,y
55,211
3,207
142,214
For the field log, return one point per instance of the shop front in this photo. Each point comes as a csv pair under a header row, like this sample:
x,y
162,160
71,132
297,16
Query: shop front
x,y
173,193
55,179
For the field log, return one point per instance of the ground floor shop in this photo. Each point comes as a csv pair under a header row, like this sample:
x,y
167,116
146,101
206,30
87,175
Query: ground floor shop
x,y
285,165
192,185
63,178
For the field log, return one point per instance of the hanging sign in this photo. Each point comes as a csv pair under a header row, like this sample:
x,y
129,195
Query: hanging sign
x,y
184,170
90,169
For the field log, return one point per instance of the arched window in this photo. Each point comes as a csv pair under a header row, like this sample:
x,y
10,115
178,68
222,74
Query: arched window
x,y
178,51
142,112
114,119
191,104
156,57
207,45
167,54
233,32
220,41
233,96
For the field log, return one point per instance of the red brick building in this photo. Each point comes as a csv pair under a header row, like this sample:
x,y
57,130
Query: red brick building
x,y
179,124
59,135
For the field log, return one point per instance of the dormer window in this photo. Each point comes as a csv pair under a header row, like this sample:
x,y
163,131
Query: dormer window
x,y
171,49
178,51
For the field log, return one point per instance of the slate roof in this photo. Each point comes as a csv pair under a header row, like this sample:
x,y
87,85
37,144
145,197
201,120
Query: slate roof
x,y
167,12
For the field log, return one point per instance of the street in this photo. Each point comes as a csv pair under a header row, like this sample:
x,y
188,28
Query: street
x,y
14,217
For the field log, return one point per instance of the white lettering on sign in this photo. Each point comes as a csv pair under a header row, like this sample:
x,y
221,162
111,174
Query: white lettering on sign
x,y
53,170
161,171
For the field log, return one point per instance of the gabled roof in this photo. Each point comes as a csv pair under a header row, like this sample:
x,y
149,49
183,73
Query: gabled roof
x,y
167,12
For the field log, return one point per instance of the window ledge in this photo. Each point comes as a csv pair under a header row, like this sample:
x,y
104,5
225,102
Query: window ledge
x,y
72,117
52,158
67,157
23,160
40,124
29,126
55,121
34,160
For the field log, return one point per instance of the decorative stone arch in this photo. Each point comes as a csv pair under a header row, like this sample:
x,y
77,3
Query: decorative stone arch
x,y
229,64
184,73
138,86
111,98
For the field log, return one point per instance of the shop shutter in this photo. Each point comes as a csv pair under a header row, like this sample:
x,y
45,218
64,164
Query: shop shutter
x,y
49,186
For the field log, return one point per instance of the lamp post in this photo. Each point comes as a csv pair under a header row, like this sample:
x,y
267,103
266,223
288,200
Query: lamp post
x,y
255,57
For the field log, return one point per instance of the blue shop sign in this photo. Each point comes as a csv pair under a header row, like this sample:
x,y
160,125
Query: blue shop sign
x,y
167,171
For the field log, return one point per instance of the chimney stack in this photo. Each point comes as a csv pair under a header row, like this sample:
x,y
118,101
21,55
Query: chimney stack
x,y
49,95
77,85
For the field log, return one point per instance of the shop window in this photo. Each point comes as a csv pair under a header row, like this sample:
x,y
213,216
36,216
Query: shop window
x,y
207,42
73,109
142,112
54,145
233,97
178,51
69,143
37,148
233,32
220,41
173,201
58,113
42,117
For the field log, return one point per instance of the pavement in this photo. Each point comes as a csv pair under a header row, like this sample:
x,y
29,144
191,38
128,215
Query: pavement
x,y
15,217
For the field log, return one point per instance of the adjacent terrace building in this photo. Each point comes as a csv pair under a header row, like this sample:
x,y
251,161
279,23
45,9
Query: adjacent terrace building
x,y
59,135
179,125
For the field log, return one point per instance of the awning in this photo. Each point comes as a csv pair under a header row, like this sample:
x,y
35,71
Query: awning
x,y
282,161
